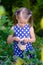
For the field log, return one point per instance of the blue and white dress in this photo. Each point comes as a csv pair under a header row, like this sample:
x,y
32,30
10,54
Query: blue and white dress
x,y
22,32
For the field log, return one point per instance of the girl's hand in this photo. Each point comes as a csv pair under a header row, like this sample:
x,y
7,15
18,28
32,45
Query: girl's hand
x,y
17,39
26,40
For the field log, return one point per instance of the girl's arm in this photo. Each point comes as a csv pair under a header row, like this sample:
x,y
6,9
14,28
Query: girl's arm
x,y
32,34
11,38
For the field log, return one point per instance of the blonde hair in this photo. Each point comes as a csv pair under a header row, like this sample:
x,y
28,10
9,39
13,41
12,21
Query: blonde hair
x,y
26,13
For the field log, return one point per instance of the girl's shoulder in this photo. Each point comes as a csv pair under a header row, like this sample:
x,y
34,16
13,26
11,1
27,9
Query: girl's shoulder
x,y
13,27
31,27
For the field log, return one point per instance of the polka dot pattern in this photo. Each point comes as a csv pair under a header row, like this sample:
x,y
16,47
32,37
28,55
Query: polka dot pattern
x,y
22,32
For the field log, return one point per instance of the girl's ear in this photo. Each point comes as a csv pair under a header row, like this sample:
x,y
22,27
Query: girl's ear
x,y
16,17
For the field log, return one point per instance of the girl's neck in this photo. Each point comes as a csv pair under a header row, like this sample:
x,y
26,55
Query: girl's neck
x,y
22,24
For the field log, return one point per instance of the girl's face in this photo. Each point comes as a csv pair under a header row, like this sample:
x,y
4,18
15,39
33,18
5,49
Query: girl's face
x,y
22,19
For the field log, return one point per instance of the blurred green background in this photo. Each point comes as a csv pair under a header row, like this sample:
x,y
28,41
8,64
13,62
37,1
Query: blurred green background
x,y
7,9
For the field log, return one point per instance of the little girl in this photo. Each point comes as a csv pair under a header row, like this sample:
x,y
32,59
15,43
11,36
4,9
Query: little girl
x,y
23,32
